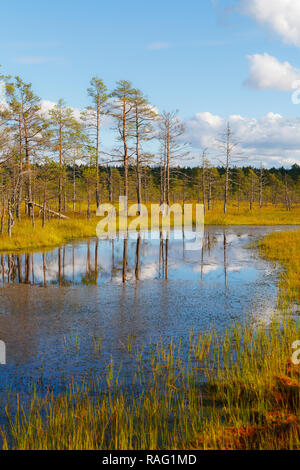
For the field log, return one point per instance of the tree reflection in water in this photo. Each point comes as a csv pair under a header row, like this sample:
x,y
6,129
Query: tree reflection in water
x,y
122,260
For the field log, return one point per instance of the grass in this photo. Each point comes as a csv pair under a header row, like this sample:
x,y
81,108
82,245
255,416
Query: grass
x,y
250,400
236,390
267,215
27,237
284,247
56,232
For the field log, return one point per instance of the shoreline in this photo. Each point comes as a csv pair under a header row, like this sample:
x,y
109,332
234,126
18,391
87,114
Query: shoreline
x,y
58,232
249,374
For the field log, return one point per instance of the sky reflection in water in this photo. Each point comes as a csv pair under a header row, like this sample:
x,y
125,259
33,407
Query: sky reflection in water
x,y
167,292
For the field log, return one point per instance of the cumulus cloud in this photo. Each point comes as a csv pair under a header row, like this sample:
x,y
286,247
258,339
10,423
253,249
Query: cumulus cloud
x,y
266,72
271,139
280,16
47,105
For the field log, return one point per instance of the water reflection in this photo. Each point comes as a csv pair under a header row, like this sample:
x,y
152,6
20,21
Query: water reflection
x,y
142,289
96,262
225,258
163,258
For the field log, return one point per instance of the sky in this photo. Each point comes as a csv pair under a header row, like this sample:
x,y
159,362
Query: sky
x,y
213,60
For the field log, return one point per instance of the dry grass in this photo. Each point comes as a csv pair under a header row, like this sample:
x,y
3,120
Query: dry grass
x,y
25,237
251,400
284,247
267,215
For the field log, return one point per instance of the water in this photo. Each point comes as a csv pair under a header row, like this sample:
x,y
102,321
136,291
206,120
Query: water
x,y
67,311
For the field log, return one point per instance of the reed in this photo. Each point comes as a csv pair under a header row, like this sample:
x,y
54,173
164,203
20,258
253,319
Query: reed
x,y
235,390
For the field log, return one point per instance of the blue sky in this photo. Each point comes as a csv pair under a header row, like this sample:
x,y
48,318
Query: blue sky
x,y
190,56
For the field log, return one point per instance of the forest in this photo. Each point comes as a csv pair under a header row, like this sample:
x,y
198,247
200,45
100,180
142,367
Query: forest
x,y
52,162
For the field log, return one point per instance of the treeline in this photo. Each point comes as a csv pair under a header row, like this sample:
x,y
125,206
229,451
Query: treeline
x,y
247,185
52,161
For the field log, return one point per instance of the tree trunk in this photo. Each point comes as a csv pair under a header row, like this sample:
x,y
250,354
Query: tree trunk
x,y
10,218
261,188
125,157
97,156
29,187
168,168
110,185
89,201
203,182
74,187
2,216
138,169
60,185
227,170
287,196
18,207
44,207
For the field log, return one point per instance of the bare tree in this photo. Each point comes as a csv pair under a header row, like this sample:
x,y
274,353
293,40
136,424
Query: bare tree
x,y
143,131
122,111
261,185
93,116
65,129
170,133
227,145
205,173
252,187
23,116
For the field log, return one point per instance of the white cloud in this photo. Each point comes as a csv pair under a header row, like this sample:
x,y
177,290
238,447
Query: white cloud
x,y
266,72
210,119
271,139
157,46
280,16
2,94
206,269
47,105
34,44
33,60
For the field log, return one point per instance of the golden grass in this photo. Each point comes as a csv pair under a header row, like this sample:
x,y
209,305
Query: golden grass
x,y
267,215
25,237
250,400
284,247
